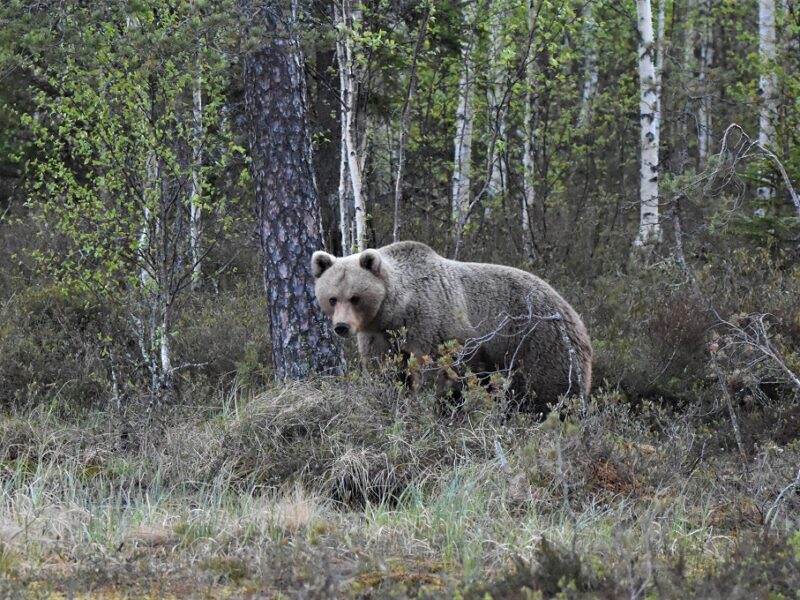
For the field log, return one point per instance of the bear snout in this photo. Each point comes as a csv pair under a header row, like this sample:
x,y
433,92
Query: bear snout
x,y
342,329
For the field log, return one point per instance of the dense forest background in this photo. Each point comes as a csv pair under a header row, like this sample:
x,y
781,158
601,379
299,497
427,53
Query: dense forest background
x,y
641,158
506,132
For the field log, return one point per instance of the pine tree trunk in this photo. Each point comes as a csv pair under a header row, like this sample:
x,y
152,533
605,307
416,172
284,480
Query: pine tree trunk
x,y
649,224
289,214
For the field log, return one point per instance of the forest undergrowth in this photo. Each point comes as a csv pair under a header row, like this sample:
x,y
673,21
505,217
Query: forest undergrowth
x,y
680,481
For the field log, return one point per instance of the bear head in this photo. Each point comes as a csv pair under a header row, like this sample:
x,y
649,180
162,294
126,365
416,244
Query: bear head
x,y
350,290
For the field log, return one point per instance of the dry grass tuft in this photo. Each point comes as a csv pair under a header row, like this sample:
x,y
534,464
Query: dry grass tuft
x,y
298,510
358,488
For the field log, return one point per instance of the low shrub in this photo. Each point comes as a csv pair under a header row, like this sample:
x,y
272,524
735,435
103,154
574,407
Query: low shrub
x,y
51,349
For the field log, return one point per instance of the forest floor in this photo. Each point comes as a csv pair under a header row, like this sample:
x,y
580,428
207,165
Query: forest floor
x,y
359,489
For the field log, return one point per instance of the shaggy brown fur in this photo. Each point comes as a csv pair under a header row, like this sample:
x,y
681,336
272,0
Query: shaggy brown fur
x,y
506,319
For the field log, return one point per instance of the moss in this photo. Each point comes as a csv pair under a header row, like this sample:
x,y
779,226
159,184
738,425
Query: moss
x,y
402,577
235,570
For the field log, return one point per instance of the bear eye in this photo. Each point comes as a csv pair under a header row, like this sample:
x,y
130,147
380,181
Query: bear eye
x,y
333,301
355,300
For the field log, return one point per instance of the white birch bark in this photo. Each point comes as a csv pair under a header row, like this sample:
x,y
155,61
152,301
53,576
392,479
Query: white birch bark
x,y
154,275
495,92
590,73
165,350
661,25
649,224
529,148
462,141
706,54
148,196
149,189
346,19
160,302
160,294
767,82
195,193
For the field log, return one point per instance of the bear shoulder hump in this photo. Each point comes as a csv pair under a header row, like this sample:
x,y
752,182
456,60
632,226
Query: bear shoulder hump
x,y
408,251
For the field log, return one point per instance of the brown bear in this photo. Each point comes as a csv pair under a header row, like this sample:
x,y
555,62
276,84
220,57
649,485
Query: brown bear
x,y
506,319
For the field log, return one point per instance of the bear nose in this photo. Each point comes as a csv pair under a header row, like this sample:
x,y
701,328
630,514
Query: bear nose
x,y
342,329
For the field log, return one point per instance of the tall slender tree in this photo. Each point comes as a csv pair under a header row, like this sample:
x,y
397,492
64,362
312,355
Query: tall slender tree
x,y
650,118
111,178
706,59
497,169
347,21
590,72
345,221
196,191
288,206
528,200
767,83
462,141
405,116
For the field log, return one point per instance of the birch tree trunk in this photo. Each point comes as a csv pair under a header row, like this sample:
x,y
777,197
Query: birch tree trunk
x,y
660,43
346,19
345,222
149,190
462,142
649,224
345,198
195,193
155,279
161,294
706,55
495,92
767,82
290,223
590,72
529,146
148,195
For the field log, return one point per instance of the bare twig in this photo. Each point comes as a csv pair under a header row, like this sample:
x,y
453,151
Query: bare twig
x,y
754,335
501,458
744,148
772,513
729,404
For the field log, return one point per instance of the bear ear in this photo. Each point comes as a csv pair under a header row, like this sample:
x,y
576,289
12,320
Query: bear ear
x,y
371,261
321,262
